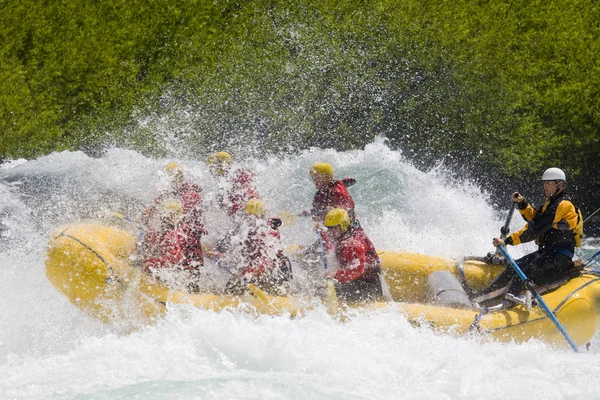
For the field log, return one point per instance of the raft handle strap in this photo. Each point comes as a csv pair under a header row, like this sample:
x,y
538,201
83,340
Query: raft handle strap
x,y
113,275
461,277
475,324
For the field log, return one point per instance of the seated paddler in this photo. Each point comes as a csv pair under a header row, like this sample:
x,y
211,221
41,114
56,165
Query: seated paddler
x,y
235,185
556,226
331,193
185,193
172,252
256,242
358,270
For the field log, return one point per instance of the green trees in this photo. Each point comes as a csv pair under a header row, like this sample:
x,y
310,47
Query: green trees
x,y
507,87
73,71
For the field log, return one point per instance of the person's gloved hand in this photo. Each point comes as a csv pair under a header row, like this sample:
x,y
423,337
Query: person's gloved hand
x,y
320,228
517,197
214,255
497,242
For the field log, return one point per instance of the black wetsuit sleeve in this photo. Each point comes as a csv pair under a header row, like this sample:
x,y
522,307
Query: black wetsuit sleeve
x,y
537,226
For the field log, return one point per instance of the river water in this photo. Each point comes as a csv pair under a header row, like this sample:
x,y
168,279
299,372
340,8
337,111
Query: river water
x,y
49,349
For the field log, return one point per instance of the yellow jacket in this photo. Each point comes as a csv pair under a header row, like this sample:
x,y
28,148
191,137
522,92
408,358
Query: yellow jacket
x,y
558,223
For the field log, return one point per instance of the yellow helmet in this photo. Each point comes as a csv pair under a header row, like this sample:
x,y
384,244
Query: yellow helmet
x,y
171,209
255,207
220,157
220,162
338,216
322,168
173,169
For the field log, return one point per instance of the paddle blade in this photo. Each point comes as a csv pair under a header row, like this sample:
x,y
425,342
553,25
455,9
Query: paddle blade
x,y
121,216
332,301
262,296
292,249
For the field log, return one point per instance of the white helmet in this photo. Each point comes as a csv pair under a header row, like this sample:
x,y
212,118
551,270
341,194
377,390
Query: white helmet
x,y
554,174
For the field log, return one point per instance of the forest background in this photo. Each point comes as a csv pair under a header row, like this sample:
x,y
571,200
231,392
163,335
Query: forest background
x,y
495,90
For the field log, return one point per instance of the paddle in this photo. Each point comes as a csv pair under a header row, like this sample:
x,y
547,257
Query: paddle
x,y
122,216
492,258
322,247
332,301
591,215
505,229
588,262
259,294
286,217
531,287
139,244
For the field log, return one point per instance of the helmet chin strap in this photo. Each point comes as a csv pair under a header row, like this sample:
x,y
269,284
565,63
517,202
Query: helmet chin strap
x,y
559,188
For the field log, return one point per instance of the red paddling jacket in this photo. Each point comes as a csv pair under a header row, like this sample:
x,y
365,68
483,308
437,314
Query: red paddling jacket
x,y
357,257
261,249
179,246
333,195
188,195
240,188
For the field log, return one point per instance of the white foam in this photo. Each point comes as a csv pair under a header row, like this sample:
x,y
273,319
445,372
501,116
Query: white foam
x,y
49,349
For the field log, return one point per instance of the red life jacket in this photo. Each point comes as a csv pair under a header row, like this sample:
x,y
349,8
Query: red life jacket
x,y
357,257
240,189
179,246
261,249
333,195
191,201
188,195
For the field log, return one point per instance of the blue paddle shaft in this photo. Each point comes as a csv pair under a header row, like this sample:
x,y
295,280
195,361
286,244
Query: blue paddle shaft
x,y
539,299
323,256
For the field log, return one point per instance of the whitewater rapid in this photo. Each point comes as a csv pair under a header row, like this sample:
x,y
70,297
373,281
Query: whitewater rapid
x,y
49,349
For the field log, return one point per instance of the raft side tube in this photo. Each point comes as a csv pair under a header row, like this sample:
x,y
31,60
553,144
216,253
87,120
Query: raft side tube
x,y
444,289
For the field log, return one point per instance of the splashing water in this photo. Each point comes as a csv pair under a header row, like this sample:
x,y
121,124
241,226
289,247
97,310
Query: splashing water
x,y
50,349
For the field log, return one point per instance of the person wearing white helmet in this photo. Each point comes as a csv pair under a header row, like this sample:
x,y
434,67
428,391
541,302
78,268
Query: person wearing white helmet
x,y
556,226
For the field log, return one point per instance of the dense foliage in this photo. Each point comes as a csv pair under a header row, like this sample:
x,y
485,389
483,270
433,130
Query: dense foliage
x,y
505,87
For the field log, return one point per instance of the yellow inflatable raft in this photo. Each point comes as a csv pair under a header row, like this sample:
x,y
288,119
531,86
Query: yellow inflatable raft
x,y
93,265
